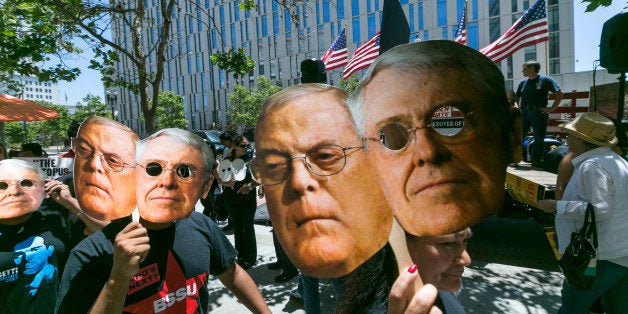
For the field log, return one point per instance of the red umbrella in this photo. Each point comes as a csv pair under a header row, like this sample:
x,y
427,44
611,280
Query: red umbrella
x,y
16,109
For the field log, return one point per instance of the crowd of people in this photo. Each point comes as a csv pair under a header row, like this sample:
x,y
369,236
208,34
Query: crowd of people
x,y
376,190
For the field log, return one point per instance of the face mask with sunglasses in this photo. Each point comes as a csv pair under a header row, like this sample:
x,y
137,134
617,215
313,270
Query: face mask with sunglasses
x,y
26,184
183,172
449,123
229,170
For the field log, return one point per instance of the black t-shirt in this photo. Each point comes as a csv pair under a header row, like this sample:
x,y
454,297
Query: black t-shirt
x,y
180,259
32,255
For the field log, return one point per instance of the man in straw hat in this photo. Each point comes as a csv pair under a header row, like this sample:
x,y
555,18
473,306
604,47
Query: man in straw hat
x,y
600,177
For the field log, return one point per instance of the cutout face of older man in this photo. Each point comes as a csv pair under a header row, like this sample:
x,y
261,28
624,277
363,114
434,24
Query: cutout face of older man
x,y
104,178
324,200
440,132
171,176
21,191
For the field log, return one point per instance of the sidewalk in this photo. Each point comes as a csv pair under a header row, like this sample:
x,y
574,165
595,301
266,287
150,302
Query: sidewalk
x,y
277,295
487,287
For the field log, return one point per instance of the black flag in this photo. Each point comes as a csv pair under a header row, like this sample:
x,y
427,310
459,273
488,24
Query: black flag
x,y
395,28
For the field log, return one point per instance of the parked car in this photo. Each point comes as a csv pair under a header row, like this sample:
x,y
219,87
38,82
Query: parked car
x,y
211,137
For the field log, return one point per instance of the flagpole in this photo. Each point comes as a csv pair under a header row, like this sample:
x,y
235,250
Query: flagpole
x,y
466,22
546,57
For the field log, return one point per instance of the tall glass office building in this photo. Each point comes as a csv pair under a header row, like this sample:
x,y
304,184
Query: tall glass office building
x,y
278,44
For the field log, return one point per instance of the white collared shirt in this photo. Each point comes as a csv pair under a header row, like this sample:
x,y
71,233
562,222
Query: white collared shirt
x,y
600,177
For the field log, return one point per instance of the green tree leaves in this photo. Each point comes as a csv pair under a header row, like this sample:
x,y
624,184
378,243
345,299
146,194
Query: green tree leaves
x,y
245,104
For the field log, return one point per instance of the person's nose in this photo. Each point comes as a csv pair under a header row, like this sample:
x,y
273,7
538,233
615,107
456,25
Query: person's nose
x,y
14,189
300,178
167,179
426,148
96,162
463,259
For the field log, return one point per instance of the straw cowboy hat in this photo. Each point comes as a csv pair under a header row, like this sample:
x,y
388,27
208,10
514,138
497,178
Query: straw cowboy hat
x,y
593,128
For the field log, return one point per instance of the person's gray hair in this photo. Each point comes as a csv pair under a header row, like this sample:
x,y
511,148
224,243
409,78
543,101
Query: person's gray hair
x,y
288,94
108,122
24,165
438,56
183,137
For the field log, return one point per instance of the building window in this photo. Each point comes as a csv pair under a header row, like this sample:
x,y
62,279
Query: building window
x,y
264,26
426,35
320,35
441,12
370,20
493,8
554,45
287,21
325,11
494,29
513,6
411,17
318,13
554,66
552,18
473,40
233,34
356,29
289,43
275,23
355,7
445,32
509,69
474,9
340,9
420,14
529,53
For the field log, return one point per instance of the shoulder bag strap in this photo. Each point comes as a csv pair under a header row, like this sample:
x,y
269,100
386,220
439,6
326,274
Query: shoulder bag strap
x,y
589,229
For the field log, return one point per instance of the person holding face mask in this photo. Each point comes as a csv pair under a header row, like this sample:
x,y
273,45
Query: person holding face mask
x,y
440,132
32,244
239,199
160,258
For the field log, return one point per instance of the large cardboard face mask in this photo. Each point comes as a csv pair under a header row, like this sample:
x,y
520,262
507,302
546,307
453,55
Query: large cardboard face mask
x,y
328,225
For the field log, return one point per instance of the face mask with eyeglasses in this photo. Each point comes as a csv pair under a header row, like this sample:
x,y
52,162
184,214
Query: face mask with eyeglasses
x,y
112,162
273,168
449,123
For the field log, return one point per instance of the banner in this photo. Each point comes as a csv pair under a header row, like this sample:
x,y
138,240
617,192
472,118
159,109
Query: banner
x,y
54,167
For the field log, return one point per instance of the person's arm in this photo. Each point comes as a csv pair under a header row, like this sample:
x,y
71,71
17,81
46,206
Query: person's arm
x,y
238,281
60,193
130,249
558,96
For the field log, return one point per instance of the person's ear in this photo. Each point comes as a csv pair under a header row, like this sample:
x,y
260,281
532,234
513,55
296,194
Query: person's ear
x,y
515,141
207,186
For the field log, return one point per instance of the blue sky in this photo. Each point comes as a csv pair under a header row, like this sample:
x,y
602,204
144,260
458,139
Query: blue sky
x,y
587,28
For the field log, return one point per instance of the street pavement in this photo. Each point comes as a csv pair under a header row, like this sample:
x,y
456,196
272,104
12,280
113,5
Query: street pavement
x,y
488,287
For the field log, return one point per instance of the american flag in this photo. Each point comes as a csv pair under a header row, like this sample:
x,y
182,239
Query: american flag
x,y
336,56
362,57
461,31
529,30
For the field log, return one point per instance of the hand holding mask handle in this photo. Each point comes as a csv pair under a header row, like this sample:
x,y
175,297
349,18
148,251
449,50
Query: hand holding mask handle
x,y
408,294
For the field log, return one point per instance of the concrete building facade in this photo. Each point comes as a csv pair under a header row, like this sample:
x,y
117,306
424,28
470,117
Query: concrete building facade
x,y
35,90
279,39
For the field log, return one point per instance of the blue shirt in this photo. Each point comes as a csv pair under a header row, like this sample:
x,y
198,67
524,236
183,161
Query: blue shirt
x,y
534,92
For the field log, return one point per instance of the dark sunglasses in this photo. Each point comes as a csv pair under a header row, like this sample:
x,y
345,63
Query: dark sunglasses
x,y
26,183
183,172
245,145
